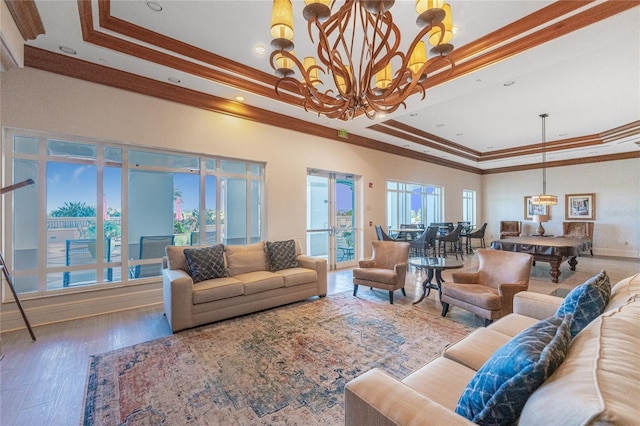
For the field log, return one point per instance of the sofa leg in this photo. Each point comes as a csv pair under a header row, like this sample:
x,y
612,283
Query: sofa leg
x,y
355,289
404,293
445,309
487,321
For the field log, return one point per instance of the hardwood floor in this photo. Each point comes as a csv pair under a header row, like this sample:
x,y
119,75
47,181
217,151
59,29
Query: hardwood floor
x,y
43,382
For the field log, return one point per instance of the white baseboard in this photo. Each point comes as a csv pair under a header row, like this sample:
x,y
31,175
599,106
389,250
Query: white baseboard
x,y
54,309
615,253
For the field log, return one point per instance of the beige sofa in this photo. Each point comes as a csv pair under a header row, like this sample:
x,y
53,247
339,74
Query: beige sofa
x,y
249,287
598,382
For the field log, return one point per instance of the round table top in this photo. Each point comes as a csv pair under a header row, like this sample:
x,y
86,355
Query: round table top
x,y
435,262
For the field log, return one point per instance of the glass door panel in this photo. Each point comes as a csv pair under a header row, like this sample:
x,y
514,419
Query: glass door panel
x,y
331,224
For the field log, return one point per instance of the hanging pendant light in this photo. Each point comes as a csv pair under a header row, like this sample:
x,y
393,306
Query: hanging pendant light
x,y
544,199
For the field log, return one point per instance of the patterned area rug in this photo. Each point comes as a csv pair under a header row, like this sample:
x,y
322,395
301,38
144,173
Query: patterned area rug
x,y
287,365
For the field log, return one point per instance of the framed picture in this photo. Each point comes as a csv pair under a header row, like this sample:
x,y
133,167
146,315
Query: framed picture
x,y
580,206
532,209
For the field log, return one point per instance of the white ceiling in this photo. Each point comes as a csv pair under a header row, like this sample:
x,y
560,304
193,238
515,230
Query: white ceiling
x,y
587,81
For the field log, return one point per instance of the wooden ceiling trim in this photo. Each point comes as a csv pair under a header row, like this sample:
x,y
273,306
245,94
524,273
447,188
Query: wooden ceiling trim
x,y
621,132
415,139
27,18
87,71
558,29
126,47
573,143
563,163
430,137
128,29
514,29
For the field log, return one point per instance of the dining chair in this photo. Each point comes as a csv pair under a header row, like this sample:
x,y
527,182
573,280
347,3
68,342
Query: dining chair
x,y
152,247
477,234
452,237
430,240
510,228
417,245
83,252
382,236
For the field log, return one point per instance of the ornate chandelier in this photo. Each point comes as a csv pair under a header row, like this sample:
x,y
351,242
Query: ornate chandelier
x,y
544,199
364,70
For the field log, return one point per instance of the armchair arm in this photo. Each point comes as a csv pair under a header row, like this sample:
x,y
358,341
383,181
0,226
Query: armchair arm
x,y
319,265
366,263
465,277
401,270
376,398
507,292
177,296
536,305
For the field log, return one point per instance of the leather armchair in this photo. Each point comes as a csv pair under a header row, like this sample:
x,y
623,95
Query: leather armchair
x,y
489,292
510,228
386,269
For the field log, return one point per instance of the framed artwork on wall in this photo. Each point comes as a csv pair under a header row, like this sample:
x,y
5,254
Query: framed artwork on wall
x,y
580,206
532,209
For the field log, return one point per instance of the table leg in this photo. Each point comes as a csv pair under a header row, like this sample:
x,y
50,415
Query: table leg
x,y
426,285
439,280
555,269
572,263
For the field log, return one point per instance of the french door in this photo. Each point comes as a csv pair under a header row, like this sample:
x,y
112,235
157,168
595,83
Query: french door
x,y
332,230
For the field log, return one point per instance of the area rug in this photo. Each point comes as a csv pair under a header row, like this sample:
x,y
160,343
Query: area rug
x,y
287,365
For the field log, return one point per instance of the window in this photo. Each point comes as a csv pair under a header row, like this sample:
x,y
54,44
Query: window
x,y
469,206
103,213
409,203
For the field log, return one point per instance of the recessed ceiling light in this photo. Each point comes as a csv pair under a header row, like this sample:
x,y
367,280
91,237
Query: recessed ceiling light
x,y
406,146
459,134
155,6
413,114
509,83
440,125
490,147
260,50
174,80
478,80
563,134
240,98
381,115
67,50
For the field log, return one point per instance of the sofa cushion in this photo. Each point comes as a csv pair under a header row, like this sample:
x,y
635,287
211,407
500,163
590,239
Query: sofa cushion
x,y
625,291
475,349
478,295
512,324
249,258
217,289
378,275
499,390
258,281
586,301
176,258
282,255
441,380
297,276
597,383
206,263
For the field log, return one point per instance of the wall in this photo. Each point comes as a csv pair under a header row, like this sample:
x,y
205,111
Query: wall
x,y
616,185
37,100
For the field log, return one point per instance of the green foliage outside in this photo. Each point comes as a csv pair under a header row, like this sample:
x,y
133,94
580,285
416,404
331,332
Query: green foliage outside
x,y
74,209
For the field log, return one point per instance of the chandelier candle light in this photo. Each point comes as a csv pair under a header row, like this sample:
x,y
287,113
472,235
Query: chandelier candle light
x,y
544,199
358,53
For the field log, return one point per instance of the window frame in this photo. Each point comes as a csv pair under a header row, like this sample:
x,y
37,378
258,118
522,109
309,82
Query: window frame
x,y
254,172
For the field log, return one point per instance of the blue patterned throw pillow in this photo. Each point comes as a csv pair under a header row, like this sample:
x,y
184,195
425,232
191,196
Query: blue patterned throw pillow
x,y
587,301
282,255
501,387
206,263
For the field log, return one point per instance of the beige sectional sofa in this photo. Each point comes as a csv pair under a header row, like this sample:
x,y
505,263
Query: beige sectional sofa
x,y
597,383
249,285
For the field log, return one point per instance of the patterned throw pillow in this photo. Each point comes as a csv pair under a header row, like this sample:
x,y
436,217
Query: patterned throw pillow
x,y
206,263
587,301
501,387
282,255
